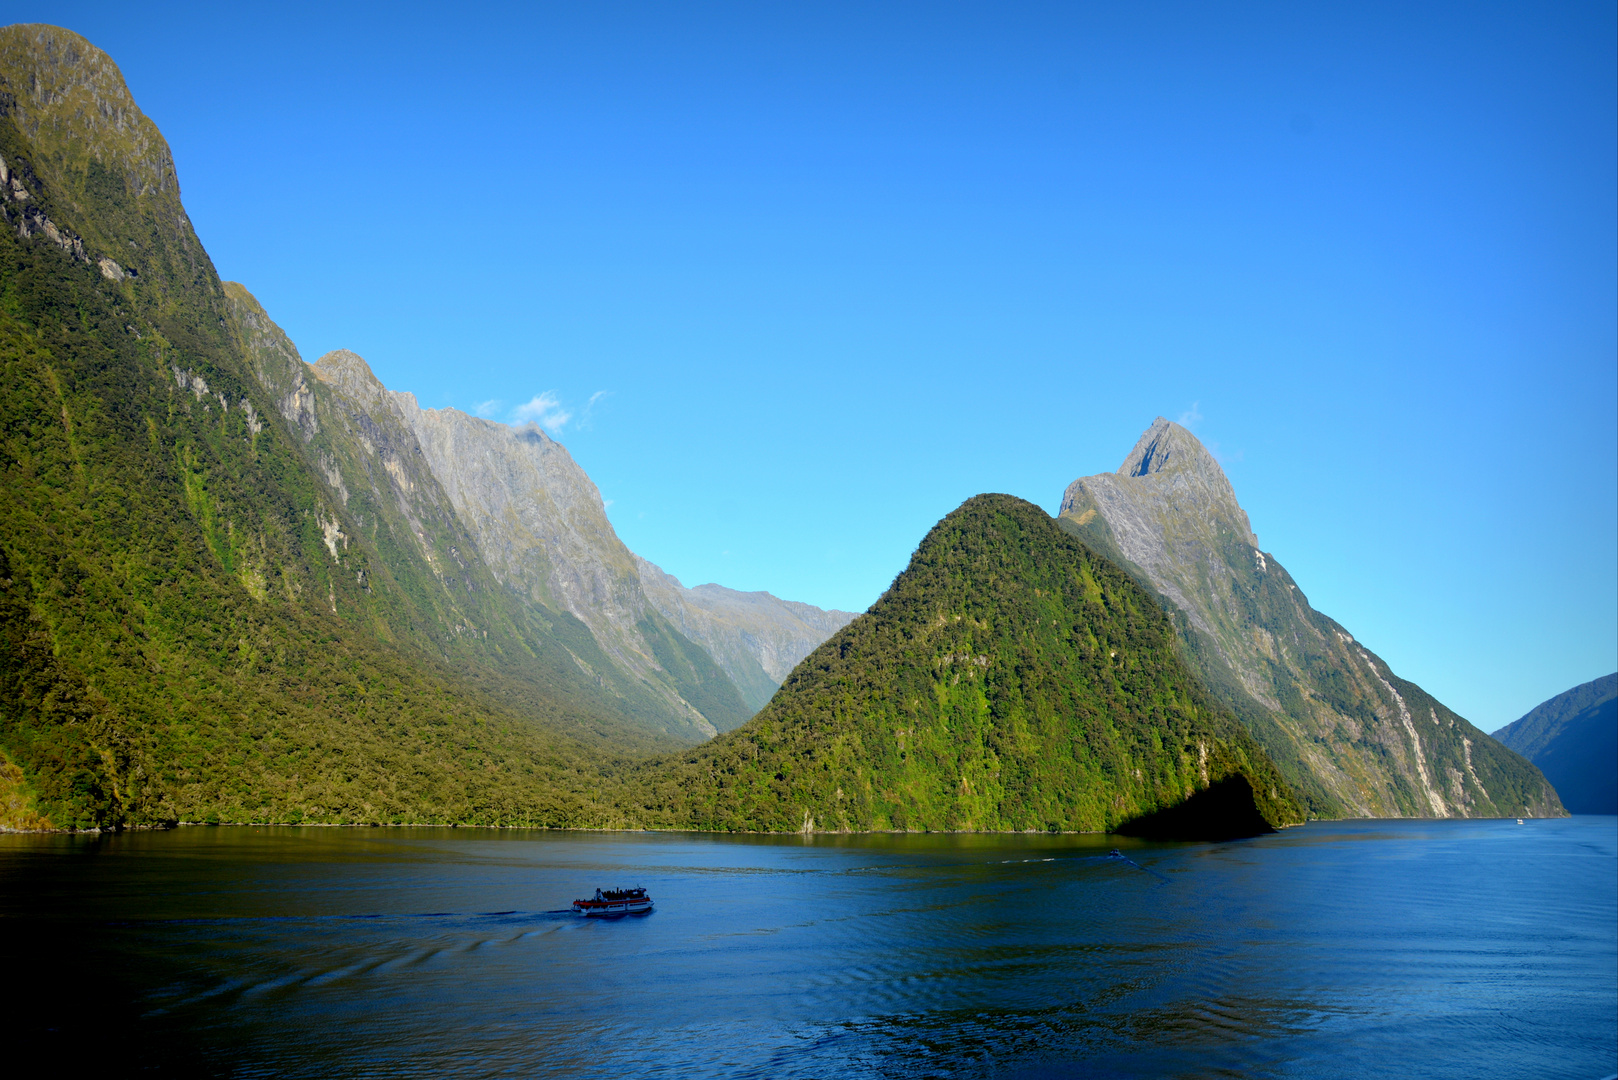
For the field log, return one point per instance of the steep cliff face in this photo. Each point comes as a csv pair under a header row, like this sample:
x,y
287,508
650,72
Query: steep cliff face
x,y
756,638
1353,737
543,532
501,613
89,173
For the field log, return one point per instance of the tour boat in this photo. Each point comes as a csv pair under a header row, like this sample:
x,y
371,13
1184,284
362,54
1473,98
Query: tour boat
x,y
615,902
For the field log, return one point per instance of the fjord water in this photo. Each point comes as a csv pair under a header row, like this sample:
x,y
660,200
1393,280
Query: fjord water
x,y
1445,949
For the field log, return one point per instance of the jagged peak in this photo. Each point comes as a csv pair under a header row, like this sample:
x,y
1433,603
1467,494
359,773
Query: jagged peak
x,y
1170,463
529,432
1168,447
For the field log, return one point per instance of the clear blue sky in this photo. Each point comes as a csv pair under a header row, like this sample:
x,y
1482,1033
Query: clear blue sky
x,y
807,276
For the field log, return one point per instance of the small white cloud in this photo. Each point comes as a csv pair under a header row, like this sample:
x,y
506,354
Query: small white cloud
x,y
589,407
606,504
545,410
488,408
1192,416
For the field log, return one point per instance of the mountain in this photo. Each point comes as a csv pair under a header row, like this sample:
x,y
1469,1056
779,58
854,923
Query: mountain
x,y
1573,738
542,528
490,505
235,586
354,437
1353,738
756,638
496,528
195,623
1010,679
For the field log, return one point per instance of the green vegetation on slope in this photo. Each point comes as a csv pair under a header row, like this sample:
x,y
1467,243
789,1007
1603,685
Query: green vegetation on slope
x,y
1010,679
192,628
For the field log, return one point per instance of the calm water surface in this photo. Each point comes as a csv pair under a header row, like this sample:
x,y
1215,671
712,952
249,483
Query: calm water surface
x,y
1440,949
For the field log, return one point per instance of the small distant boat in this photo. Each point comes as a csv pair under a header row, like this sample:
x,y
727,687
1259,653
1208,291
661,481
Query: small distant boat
x,y
1519,821
615,902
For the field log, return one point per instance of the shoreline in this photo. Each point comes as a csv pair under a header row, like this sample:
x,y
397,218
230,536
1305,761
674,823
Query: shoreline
x,y
703,832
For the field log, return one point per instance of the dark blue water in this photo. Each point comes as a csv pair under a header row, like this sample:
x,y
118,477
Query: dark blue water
x,y
1409,949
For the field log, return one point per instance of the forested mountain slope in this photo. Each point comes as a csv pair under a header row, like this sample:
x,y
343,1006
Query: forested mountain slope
x,y
236,585
194,626
1354,738
1010,679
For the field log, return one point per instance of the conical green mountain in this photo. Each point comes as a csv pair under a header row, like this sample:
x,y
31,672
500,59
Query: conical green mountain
x,y
1010,679
1354,739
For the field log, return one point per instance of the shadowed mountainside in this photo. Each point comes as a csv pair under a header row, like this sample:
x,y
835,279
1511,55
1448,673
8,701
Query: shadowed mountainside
x,y
1573,739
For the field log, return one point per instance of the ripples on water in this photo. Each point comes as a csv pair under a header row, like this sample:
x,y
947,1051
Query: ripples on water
x,y
1445,949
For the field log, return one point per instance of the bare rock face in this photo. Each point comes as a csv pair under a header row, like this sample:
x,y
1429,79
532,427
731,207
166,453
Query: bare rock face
x,y
756,638
275,360
1352,736
68,101
538,519
1171,510
542,530
517,613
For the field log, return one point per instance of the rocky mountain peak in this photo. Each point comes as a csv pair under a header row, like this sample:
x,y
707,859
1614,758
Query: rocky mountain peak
x,y
1358,739
1168,447
532,434
348,372
1171,477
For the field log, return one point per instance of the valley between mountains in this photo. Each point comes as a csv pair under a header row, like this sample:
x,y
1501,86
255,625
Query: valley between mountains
x,y
239,587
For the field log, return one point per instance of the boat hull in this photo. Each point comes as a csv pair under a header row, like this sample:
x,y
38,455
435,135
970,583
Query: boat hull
x,y
606,908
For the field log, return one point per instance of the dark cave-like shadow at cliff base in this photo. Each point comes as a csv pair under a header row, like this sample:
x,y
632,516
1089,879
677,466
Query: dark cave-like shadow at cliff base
x,y
1225,810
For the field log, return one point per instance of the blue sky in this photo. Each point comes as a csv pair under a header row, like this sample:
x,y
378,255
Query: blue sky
x,y
792,281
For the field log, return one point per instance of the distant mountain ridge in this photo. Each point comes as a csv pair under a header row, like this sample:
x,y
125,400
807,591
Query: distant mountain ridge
x,y
1354,738
1573,738
755,637
535,523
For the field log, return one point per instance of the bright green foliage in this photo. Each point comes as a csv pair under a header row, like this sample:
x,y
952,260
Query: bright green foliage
x,y
1010,679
